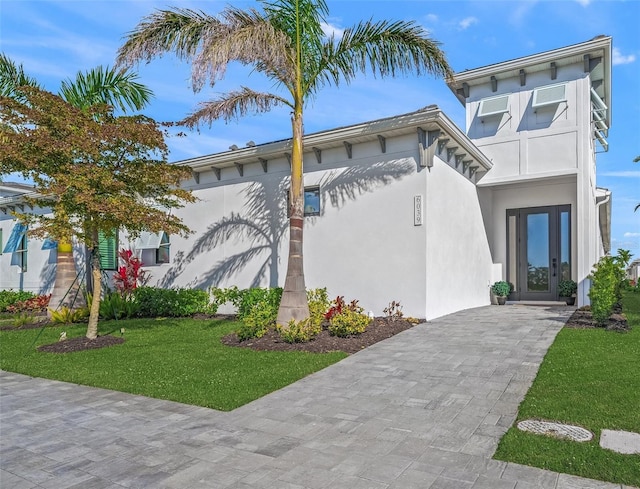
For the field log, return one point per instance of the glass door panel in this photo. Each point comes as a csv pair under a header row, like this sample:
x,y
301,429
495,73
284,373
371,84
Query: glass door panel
x,y
538,273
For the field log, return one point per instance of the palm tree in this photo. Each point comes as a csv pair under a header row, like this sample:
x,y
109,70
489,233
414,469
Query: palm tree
x,y
111,86
286,43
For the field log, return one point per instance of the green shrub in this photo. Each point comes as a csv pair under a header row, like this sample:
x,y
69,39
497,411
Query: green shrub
x,y
300,331
36,303
11,297
158,302
221,296
319,304
348,323
607,284
23,318
566,288
501,288
258,310
255,323
64,315
115,306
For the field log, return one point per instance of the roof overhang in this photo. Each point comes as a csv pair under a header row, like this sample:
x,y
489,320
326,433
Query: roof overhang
x,y
587,53
429,119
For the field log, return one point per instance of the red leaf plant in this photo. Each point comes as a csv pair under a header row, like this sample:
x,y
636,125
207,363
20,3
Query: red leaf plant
x,y
130,274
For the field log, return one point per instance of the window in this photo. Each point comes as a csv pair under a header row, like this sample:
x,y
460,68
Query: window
x,y
162,252
494,106
311,201
549,95
108,250
159,242
22,252
0,241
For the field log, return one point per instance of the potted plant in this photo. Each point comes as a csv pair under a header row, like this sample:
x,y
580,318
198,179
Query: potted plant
x,y
501,290
568,289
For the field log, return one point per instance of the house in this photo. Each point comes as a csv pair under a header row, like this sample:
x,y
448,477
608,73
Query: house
x,y
411,208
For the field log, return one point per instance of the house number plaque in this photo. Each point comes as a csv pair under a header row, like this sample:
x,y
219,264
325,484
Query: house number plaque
x,y
417,210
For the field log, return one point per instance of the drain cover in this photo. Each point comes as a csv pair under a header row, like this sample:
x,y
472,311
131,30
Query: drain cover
x,y
558,430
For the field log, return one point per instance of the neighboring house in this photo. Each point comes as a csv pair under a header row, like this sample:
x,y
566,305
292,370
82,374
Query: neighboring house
x,y
412,209
633,271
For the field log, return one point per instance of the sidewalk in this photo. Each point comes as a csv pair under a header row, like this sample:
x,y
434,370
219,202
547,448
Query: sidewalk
x,y
424,409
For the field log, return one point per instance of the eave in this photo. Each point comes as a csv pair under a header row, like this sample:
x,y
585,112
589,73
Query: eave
x,y
598,47
429,120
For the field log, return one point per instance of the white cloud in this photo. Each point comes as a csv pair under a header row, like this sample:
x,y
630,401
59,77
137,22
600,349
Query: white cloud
x,y
432,18
632,235
331,30
622,174
620,59
467,22
584,3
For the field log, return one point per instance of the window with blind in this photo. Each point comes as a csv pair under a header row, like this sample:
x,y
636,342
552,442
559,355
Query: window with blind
x,y
108,249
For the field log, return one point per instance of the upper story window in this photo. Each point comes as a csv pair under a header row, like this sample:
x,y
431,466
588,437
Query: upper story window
x,y
549,95
494,105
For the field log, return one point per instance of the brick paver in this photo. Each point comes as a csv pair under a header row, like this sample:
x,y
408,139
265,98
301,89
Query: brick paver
x,y
424,409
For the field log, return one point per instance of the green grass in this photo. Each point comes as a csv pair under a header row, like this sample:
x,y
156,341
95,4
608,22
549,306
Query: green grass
x,y
590,378
177,359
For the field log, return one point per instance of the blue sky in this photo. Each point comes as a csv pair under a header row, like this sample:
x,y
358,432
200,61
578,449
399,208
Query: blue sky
x,y
56,39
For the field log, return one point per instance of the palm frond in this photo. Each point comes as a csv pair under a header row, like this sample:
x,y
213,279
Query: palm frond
x,y
234,105
111,86
385,48
12,76
178,31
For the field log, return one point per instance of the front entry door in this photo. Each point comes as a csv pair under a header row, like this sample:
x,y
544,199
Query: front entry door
x,y
542,249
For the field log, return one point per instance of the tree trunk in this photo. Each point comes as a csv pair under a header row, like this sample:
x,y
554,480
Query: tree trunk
x,y
92,328
293,304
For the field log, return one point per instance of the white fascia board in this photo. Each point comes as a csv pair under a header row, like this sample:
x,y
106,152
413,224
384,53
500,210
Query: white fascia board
x,y
539,61
430,118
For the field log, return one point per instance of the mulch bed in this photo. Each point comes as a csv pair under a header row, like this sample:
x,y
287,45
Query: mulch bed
x,y
379,329
582,318
81,343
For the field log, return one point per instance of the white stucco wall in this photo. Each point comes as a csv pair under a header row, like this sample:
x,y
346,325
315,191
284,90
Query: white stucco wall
x,y
40,273
459,264
364,245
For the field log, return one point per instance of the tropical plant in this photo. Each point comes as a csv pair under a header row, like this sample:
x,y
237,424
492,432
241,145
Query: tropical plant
x,y
501,288
65,315
285,42
130,274
348,323
566,288
11,297
300,331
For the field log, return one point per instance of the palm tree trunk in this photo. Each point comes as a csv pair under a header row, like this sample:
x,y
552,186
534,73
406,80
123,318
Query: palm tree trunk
x,y
65,289
293,304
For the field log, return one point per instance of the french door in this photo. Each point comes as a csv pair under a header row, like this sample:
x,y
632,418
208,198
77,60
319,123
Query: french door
x,y
538,251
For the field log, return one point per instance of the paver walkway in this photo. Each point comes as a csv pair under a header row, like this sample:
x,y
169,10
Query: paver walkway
x,y
424,409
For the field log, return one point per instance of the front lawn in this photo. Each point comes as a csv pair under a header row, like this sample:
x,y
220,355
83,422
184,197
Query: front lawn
x,y
177,359
590,378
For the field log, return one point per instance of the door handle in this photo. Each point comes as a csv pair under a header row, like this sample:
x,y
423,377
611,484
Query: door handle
x,y
554,263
